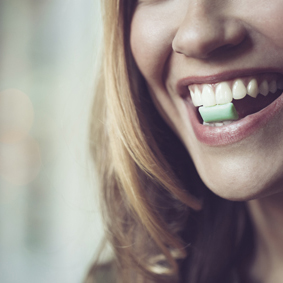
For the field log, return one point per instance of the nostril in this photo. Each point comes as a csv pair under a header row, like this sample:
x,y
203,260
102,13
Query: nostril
x,y
202,35
221,50
229,50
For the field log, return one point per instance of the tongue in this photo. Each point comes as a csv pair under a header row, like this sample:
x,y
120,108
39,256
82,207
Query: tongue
x,y
250,105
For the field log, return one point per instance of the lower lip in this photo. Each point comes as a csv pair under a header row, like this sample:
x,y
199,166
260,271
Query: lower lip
x,y
236,131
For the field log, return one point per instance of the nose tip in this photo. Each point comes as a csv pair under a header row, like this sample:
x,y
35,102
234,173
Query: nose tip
x,y
201,34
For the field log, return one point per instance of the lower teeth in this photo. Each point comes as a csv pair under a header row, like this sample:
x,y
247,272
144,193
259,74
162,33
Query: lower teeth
x,y
218,124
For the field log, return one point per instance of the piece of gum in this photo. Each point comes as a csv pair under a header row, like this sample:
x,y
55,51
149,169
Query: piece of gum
x,y
217,113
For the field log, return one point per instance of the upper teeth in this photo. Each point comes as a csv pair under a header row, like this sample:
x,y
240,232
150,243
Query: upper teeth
x,y
225,92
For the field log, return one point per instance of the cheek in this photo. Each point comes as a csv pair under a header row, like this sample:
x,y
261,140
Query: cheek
x,y
153,29
272,25
266,19
151,42
273,30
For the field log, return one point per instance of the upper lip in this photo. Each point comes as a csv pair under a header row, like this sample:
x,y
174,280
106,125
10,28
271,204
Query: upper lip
x,y
182,84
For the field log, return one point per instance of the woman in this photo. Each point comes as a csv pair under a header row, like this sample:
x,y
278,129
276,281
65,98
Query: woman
x,y
188,198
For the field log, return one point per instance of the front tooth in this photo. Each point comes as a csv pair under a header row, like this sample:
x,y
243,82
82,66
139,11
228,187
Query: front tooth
x,y
196,97
208,98
252,88
239,90
272,86
263,88
223,93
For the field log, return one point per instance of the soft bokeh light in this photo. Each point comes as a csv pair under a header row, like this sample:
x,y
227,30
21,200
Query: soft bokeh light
x,y
16,115
50,227
20,162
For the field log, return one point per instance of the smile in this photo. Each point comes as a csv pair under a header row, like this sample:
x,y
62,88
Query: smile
x,y
224,92
257,99
257,87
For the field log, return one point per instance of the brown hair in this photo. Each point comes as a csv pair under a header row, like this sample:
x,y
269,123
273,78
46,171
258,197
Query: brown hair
x,y
162,222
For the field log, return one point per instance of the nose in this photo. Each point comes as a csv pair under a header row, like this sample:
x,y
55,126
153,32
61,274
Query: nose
x,y
207,29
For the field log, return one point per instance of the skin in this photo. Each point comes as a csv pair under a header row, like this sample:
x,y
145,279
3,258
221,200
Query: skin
x,y
175,39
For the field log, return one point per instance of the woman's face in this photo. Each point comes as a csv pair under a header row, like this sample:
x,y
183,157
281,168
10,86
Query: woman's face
x,y
198,44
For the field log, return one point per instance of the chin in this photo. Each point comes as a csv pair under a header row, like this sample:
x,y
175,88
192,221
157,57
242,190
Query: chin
x,y
244,186
235,192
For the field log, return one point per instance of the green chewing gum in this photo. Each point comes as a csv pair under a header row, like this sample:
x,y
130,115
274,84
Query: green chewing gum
x,y
218,113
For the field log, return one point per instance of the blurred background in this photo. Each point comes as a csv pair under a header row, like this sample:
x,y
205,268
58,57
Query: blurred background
x,y
50,226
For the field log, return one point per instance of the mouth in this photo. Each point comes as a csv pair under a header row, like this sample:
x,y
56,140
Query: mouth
x,y
255,98
249,95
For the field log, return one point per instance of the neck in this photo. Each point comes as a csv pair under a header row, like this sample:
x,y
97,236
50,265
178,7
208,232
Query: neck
x,y
267,216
